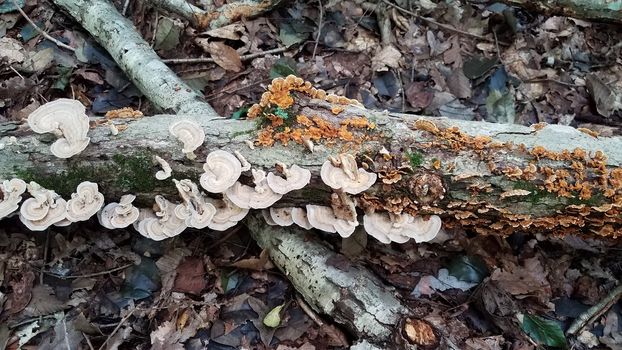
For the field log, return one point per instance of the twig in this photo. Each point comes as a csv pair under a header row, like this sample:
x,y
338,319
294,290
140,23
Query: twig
x,y
595,311
45,34
220,92
211,60
444,26
319,29
125,6
88,275
547,80
45,253
88,341
117,327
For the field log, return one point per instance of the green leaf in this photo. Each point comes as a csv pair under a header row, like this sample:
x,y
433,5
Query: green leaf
x,y
500,107
167,34
477,66
64,75
468,268
240,113
283,67
273,318
544,331
289,34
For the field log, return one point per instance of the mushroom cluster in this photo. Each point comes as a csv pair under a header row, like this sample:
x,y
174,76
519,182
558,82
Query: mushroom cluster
x,y
85,203
119,215
43,209
342,173
399,228
11,191
190,134
66,118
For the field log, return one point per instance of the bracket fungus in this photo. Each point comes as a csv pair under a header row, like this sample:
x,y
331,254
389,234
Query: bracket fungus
x,y
259,197
227,214
85,203
190,134
342,173
282,216
295,179
222,170
299,216
44,209
11,191
323,218
119,215
400,228
196,210
246,166
166,171
66,118
164,224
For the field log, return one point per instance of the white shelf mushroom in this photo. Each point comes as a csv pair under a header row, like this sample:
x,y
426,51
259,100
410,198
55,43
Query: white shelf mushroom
x,y
227,214
190,134
266,216
259,197
343,174
66,118
222,170
282,216
119,215
195,210
11,191
165,224
400,228
295,179
299,216
44,209
86,202
246,166
323,218
166,171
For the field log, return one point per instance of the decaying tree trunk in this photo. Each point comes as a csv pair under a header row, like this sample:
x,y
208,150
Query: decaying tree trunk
x,y
493,177
354,298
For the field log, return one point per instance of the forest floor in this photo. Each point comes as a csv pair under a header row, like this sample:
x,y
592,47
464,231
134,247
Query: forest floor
x,y
85,287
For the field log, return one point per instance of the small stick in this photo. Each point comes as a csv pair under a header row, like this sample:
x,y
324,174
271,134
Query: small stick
x,y
117,327
88,275
211,60
319,29
595,311
45,35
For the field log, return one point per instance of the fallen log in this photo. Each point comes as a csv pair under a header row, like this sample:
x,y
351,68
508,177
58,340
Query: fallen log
x,y
494,178
593,10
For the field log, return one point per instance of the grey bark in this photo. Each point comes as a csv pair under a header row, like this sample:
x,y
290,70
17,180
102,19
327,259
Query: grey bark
x,y
354,298
595,10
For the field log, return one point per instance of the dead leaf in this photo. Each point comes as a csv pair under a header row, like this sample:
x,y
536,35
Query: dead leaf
x,y
418,96
43,302
523,280
190,276
257,264
459,84
22,292
224,56
387,57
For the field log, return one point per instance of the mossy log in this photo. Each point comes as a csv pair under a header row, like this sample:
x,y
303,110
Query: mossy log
x,y
494,178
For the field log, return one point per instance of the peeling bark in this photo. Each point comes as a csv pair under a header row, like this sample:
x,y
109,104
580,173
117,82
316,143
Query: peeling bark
x,y
595,10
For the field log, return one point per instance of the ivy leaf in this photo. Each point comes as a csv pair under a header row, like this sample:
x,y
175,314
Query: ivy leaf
x,y
543,331
283,67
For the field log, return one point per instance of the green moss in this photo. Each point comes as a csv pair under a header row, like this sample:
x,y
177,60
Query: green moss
x,y
126,172
596,200
537,195
415,158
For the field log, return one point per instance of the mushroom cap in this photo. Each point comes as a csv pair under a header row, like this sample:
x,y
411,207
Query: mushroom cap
x,y
401,227
222,170
12,191
295,179
282,216
45,208
166,171
195,210
67,117
143,214
189,133
119,215
266,216
259,197
86,202
227,214
354,183
165,224
299,216
323,218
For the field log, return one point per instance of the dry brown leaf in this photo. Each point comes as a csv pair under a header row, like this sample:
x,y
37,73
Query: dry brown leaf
x,y
225,56
257,264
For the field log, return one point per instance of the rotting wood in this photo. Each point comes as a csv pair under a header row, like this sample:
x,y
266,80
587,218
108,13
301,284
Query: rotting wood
x,y
486,179
594,10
